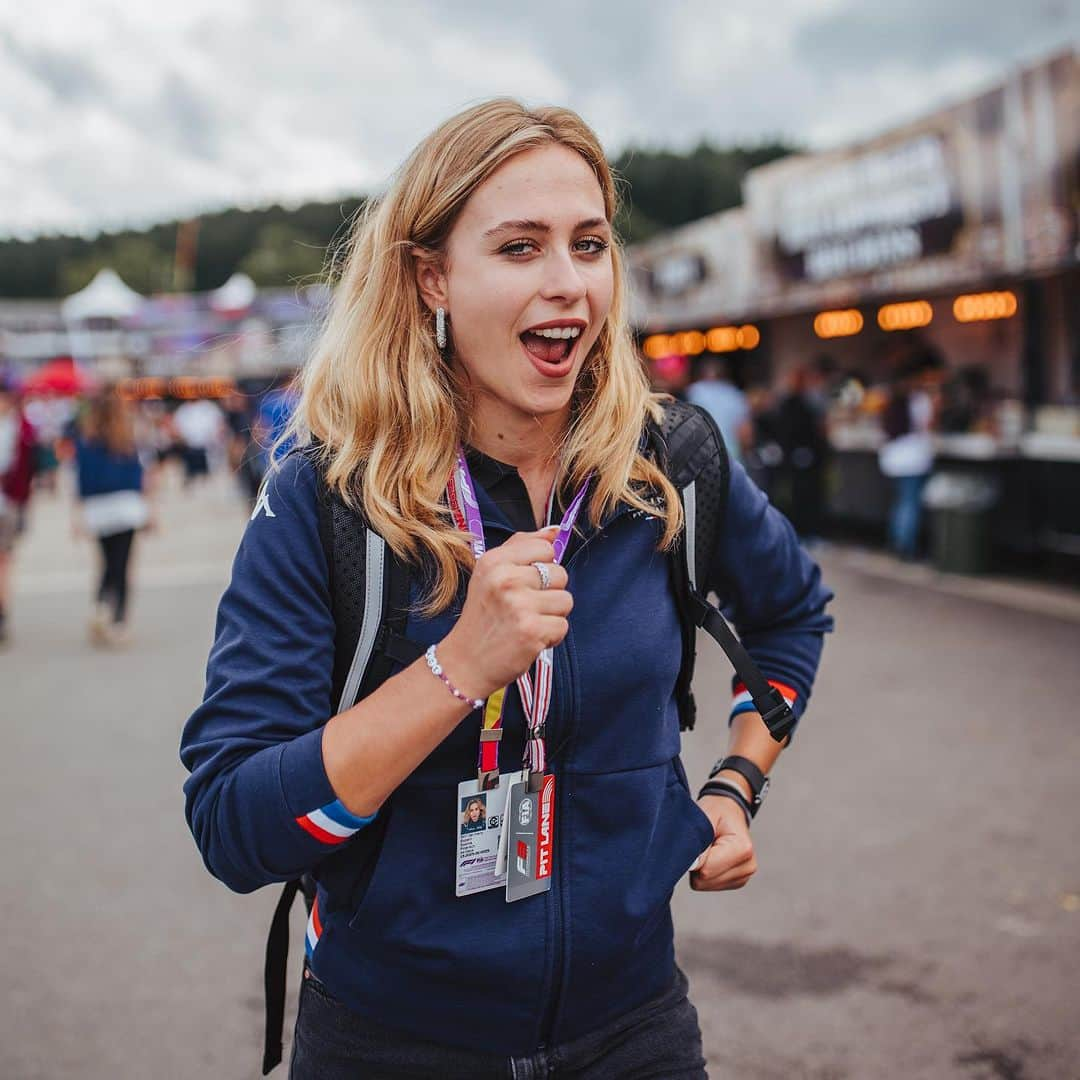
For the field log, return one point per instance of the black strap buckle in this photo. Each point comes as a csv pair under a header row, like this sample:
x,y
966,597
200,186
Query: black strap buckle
x,y
779,718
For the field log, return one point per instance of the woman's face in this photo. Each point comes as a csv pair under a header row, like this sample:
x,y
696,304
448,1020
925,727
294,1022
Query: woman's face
x,y
474,811
528,280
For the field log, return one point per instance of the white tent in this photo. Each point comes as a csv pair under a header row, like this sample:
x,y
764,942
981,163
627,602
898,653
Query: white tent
x,y
237,294
106,297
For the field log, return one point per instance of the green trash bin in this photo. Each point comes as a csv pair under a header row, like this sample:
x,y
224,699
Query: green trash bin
x,y
960,526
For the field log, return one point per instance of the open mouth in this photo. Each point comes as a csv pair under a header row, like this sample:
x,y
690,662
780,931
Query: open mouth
x,y
552,345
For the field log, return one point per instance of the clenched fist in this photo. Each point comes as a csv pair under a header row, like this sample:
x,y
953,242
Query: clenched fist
x,y
507,619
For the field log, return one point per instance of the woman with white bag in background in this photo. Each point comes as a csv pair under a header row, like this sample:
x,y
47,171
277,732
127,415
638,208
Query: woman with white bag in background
x,y
113,505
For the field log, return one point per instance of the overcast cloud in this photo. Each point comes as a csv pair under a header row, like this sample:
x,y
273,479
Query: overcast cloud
x,y
116,113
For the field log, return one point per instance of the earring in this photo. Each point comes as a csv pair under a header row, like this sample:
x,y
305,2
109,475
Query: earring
x,y
440,328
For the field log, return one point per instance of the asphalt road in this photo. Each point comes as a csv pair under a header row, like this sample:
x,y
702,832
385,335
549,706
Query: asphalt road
x,y
916,914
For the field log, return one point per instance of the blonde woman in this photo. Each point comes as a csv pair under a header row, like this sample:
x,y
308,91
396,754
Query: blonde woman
x,y
476,383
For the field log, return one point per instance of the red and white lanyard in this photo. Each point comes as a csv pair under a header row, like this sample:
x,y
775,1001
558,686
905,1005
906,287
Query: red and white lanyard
x,y
461,495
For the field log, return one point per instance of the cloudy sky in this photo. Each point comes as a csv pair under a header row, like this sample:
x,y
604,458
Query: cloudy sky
x,y
116,112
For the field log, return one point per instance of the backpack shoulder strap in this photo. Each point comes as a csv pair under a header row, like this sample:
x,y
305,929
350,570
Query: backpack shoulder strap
x,y
692,452
369,595
684,446
697,463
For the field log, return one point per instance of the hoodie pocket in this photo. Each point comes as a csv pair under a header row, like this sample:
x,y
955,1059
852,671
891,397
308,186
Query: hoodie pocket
x,y
683,832
629,838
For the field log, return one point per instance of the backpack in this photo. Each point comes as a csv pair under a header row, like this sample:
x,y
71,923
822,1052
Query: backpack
x,y
369,590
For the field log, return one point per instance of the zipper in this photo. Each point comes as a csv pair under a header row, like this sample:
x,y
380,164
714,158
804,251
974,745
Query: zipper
x,y
557,903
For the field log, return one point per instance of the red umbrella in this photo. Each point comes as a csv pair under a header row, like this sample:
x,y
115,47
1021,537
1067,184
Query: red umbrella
x,y
59,376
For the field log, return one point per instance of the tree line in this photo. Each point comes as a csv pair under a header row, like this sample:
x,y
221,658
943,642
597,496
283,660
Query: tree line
x,y
280,246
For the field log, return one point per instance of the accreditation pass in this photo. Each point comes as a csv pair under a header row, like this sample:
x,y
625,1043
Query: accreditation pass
x,y
478,825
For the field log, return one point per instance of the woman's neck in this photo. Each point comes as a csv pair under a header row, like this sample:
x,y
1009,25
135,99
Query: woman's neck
x,y
531,444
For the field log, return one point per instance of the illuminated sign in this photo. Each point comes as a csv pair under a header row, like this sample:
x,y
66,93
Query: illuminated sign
x,y
719,339
906,316
833,324
978,307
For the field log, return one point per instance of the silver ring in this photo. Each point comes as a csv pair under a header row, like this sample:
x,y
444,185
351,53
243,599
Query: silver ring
x,y
545,577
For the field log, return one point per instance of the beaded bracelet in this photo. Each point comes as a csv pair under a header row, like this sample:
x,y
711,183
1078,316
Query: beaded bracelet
x,y
436,669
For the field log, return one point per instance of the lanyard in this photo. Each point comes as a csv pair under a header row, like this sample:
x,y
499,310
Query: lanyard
x,y
536,701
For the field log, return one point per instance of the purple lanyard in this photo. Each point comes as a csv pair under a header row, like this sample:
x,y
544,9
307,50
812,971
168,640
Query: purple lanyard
x,y
461,494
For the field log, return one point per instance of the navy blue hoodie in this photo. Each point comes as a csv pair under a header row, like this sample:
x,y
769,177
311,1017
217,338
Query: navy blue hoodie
x,y
387,936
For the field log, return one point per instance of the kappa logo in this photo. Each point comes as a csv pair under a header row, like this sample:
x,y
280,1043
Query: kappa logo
x,y
263,503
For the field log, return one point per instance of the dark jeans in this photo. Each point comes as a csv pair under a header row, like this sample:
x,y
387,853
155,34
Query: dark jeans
x,y
660,1040
116,550
906,516
196,463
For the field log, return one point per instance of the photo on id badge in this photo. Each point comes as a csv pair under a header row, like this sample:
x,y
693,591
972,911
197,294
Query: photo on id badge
x,y
473,813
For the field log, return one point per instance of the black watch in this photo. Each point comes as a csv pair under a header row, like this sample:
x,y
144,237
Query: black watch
x,y
758,781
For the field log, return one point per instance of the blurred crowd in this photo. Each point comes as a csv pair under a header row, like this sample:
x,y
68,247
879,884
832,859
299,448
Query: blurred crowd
x,y
783,433
118,448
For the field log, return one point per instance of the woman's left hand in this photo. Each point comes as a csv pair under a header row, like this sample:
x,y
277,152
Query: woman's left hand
x,y
729,863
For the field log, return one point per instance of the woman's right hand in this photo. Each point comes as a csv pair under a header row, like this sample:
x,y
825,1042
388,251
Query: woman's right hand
x,y
507,619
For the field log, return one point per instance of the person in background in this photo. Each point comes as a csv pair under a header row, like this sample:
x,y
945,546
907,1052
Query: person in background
x,y
201,428
764,458
245,456
113,505
49,416
669,375
965,401
725,403
799,424
16,472
272,420
907,457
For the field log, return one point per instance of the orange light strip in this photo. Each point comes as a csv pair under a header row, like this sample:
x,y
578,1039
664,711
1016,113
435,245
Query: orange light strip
x,y
748,336
834,324
719,339
656,346
905,316
979,307
183,386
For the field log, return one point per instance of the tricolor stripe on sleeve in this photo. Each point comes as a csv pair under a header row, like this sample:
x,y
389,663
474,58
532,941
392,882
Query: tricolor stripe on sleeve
x,y
314,929
744,703
332,823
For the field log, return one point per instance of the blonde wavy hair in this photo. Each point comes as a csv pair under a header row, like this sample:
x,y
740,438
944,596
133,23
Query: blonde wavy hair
x,y
386,409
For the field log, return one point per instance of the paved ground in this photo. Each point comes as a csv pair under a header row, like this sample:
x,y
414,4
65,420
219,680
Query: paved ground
x,y
916,915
